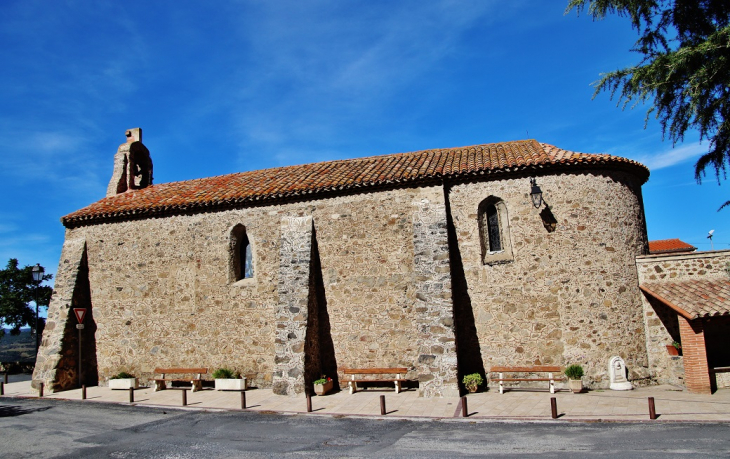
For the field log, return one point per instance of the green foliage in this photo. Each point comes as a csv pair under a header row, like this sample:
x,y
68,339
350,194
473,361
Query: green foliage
x,y
574,371
226,373
122,375
323,380
17,289
472,381
677,345
684,73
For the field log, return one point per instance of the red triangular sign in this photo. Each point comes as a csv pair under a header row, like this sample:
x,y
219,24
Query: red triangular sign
x,y
80,314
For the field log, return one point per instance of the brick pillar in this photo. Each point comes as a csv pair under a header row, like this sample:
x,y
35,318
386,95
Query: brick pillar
x,y
696,369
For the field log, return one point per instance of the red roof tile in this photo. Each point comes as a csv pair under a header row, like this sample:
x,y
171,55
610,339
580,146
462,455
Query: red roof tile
x,y
291,182
670,246
693,298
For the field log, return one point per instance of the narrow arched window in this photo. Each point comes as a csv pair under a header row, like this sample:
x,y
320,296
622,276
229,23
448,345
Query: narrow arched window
x,y
495,239
241,254
494,231
246,256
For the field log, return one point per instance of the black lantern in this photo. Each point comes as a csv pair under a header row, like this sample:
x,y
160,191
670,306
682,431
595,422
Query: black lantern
x,y
536,194
37,271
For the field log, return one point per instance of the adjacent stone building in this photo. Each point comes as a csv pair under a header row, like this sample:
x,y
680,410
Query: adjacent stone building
x,y
437,260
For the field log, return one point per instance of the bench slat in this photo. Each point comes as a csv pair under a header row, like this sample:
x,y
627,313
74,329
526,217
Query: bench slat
x,y
374,371
377,380
525,379
181,370
533,369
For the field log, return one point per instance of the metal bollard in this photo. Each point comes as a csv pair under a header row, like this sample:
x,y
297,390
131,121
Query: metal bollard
x,y
2,388
382,405
309,403
185,397
554,407
652,409
131,395
83,392
243,400
5,377
464,409
40,390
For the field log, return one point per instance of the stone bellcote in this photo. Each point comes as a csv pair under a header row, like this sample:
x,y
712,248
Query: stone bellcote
x,y
132,165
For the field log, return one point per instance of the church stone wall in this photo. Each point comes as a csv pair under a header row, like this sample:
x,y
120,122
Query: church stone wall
x,y
163,296
570,295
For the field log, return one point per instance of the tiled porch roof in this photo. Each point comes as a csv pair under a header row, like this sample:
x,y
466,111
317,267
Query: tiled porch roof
x,y
310,180
670,246
693,298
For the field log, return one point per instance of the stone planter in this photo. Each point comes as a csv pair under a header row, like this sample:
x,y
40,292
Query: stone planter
x,y
575,385
321,389
124,383
230,384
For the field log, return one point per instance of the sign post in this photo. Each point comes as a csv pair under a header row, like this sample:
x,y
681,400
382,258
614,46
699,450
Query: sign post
x,y
80,314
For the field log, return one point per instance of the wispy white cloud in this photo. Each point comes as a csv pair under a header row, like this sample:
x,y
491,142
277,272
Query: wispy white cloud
x,y
673,156
320,66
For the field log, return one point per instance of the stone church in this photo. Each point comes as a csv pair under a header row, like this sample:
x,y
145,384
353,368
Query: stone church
x,y
445,261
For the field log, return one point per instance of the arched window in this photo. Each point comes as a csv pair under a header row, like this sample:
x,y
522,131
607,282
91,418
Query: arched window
x,y
492,222
241,254
494,231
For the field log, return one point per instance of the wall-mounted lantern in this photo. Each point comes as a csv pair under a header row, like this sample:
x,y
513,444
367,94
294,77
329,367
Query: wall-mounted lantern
x,y
536,194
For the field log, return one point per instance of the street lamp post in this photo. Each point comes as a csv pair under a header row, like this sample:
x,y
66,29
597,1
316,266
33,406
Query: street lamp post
x,y
38,271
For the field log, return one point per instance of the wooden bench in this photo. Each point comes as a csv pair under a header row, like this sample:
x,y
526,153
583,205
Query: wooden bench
x,y
197,381
398,380
539,369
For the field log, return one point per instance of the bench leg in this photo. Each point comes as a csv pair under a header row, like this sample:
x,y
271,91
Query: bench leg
x,y
552,383
501,384
160,385
397,387
197,385
353,387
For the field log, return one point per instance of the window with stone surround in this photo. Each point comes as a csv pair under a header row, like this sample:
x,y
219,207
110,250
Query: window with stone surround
x,y
241,252
494,231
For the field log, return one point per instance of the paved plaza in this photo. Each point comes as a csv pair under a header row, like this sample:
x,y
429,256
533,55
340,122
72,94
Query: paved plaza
x,y
672,404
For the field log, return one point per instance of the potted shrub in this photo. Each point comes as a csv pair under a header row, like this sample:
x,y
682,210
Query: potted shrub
x,y
123,380
227,379
323,385
675,348
472,382
575,373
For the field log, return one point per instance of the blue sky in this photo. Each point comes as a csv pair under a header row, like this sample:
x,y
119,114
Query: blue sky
x,y
223,87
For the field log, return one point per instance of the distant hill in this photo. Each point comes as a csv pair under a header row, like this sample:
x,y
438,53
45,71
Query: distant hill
x,y
17,348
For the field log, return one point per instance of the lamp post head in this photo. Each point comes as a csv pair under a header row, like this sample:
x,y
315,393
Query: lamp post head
x,y
535,194
38,271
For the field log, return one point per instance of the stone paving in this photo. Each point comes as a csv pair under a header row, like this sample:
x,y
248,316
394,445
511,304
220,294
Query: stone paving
x,y
672,403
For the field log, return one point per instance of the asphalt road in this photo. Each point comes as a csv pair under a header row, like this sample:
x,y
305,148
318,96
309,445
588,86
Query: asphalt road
x,y
55,428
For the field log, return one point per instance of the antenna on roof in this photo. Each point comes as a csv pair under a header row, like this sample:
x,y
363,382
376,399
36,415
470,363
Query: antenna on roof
x,y
709,236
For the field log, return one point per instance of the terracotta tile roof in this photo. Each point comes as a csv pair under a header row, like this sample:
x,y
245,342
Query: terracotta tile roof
x,y
305,181
670,246
693,298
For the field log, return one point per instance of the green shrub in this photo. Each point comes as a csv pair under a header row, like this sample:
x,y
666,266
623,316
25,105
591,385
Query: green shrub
x,y
472,381
323,380
122,375
677,345
574,371
226,373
